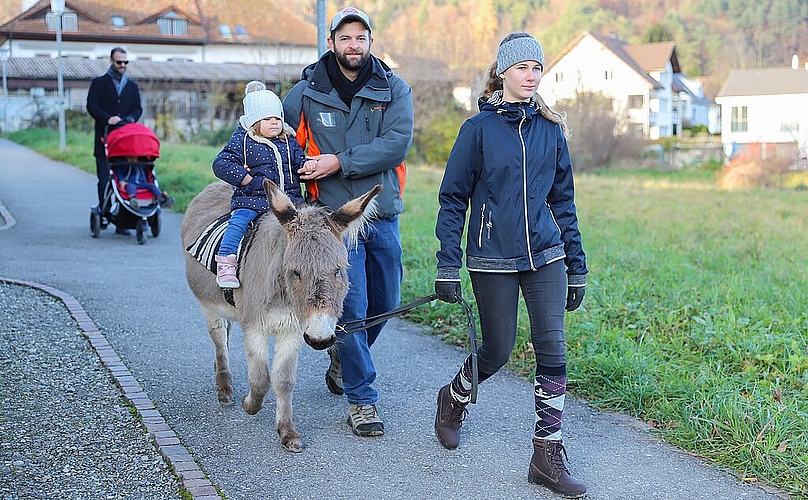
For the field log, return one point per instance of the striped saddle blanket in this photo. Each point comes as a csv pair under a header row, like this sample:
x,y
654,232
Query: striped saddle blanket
x,y
206,245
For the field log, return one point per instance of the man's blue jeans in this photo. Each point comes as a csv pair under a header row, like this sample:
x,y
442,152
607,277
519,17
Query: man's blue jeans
x,y
236,226
375,272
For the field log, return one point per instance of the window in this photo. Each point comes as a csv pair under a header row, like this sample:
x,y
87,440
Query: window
x,y
738,121
559,77
224,30
636,101
790,126
608,75
70,21
241,31
172,24
118,21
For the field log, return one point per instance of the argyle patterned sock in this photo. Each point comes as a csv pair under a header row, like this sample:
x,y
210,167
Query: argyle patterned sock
x,y
549,391
460,388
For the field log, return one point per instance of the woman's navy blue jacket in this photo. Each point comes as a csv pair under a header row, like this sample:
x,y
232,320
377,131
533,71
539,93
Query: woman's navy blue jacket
x,y
243,151
510,169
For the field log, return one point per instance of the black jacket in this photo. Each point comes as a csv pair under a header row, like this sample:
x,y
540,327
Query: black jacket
x,y
103,101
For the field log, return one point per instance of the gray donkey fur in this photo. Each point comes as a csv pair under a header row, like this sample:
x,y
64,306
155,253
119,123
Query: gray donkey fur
x,y
293,284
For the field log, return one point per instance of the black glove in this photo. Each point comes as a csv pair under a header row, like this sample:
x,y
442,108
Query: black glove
x,y
575,294
448,290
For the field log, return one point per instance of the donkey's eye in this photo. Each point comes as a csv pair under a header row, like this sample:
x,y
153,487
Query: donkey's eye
x,y
296,275
338,272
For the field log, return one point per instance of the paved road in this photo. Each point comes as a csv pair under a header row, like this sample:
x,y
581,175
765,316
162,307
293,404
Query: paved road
x,y
138,298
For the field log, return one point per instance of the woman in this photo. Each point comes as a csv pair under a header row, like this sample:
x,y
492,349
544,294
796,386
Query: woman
x,y
511,168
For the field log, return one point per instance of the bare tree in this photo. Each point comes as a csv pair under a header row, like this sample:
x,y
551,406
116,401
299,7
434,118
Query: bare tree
x,y
600,133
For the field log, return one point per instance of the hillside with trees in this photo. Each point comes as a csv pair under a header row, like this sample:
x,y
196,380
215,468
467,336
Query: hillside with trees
x,y
712,36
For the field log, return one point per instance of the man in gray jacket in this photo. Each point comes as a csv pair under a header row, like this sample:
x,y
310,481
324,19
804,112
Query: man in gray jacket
x,y
355,118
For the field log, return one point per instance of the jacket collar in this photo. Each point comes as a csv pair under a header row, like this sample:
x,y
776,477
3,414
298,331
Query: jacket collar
x,y
317,74
512,111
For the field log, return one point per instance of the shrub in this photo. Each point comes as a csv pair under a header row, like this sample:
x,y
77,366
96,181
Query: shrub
x,y
78,120
758,165
216,137
599,134
433,142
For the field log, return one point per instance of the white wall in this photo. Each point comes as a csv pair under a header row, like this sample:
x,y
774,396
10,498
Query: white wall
x,y
585,68
767,118
161,53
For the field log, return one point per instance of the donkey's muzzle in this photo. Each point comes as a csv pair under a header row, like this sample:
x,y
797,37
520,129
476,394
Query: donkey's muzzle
x,y
319,343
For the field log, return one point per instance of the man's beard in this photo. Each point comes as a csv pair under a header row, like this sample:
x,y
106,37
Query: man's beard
x,y
352,64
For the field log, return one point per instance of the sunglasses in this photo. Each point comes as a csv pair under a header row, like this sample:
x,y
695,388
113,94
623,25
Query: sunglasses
x,y
121,63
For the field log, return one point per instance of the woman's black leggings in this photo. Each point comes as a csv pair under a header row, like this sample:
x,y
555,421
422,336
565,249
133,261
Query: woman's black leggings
x,y
497,295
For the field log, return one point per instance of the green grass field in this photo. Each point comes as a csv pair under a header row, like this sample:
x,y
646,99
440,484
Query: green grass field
x,y
695,317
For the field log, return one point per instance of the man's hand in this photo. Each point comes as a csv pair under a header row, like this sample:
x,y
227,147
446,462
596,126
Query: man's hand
x,y
114,120
324,165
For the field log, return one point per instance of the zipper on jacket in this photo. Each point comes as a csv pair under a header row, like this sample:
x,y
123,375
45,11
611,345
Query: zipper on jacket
x,y
524,192
482,225
367,122
558,228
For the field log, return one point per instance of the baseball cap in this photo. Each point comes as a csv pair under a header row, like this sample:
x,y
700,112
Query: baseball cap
x,y
349,14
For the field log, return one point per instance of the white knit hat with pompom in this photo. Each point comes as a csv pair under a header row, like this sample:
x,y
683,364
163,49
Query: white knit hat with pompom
x,y
259,105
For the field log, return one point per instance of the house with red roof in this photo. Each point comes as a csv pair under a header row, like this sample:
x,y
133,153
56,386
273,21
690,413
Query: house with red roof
x,y
643,80
191,58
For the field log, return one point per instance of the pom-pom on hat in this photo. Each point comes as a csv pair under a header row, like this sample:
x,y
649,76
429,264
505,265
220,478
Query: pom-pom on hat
x,y
253,86
259,105
518,47
349,14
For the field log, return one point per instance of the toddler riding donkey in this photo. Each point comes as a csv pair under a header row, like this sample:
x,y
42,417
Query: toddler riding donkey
x,y
260,148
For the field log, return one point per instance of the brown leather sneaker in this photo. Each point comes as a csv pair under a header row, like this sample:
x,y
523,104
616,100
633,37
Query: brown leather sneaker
x,y
448,419
547,469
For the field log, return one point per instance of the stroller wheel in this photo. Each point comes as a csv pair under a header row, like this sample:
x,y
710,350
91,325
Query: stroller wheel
x,y
154,224
141,235
95,224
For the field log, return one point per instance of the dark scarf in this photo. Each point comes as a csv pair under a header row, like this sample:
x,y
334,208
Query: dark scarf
x,y
346,88
118,79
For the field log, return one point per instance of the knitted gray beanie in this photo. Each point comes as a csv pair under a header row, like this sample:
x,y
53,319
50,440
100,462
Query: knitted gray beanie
x,y
516,50
259,105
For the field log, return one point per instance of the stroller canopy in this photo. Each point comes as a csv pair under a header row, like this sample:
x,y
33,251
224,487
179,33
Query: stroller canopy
x,y
133,139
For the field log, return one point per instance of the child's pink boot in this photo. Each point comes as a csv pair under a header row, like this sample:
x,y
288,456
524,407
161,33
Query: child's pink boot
x,y
226,271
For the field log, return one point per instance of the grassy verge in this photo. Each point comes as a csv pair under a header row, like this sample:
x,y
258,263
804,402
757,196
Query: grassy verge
x,y
183,170
696,313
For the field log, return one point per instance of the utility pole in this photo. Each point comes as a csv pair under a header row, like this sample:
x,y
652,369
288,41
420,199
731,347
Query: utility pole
x,y
58,8
322,34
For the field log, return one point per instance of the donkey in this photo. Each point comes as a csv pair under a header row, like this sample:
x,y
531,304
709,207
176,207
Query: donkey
x,y
293,283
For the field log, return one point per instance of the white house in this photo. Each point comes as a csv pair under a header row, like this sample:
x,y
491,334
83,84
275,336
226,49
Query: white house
x,y
645,80
766,106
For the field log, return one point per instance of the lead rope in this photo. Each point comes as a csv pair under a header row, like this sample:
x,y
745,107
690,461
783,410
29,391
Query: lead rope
x,y
362,324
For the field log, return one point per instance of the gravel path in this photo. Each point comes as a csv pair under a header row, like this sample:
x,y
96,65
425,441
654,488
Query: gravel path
x,y
65,429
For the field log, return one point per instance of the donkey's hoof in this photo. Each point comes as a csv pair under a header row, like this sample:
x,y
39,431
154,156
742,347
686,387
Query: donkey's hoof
x,y
250,408
292,442
225,395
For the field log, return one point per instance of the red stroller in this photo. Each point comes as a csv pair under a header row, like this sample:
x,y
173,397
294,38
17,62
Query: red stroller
x,y
132,196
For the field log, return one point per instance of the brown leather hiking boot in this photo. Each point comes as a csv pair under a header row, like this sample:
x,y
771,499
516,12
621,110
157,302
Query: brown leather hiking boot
x,y
547,469
333,376
448,419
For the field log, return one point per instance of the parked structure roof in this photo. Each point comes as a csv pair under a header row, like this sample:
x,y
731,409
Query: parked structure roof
x,y
767,81
253,22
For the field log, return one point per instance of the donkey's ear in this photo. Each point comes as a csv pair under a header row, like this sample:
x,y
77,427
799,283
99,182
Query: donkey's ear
x,y
279,203
356,212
